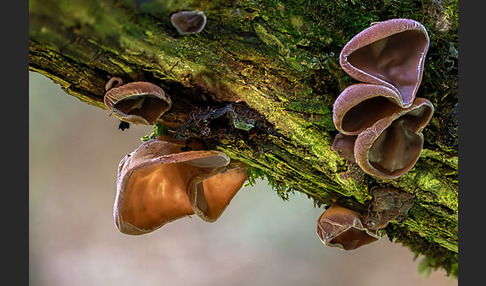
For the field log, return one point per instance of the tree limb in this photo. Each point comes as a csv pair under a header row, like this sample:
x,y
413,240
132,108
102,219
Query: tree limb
x,y
276,63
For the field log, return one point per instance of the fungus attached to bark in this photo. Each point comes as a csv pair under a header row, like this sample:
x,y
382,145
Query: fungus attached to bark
x,y
388,137
359,106
343,228
392,146
159,183
137,102
388,205
188,22
209,196
344,146
390,53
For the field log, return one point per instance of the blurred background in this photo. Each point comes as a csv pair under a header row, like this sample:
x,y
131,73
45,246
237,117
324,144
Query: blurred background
x,y
74,151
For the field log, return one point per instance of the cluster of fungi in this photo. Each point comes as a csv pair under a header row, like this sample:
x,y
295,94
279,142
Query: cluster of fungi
x,y
165,179
379,120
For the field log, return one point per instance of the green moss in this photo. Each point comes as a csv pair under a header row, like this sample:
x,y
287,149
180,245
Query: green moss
x,y
452,161
281,59
67,85
429,250
428,225
159,130
429,264
442,192
313,111
269,39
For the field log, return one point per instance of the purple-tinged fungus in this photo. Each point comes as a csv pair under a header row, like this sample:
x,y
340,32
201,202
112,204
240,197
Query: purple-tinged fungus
x,y
388,205
392,146
343,228
188,22
389,138
390,53
137,102
359,106
344,146
156,184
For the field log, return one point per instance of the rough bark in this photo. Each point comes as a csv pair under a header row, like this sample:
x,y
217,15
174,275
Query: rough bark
x,y
279,61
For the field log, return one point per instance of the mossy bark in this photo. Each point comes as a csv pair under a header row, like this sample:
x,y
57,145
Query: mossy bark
x,y
279,61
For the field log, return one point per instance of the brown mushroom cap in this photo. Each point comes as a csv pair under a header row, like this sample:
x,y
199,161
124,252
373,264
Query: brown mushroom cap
x,y
343,228
390,53
209,196
153,180
188,22
359,106
389,138
392,146
344,146
136,102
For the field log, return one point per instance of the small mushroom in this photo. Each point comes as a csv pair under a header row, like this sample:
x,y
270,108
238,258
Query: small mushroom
x,y
343,228
156,184
188,22
344,146
137,102
390,53
392,146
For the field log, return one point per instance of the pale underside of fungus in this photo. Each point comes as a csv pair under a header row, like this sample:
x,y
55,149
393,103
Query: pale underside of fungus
x,y
159,183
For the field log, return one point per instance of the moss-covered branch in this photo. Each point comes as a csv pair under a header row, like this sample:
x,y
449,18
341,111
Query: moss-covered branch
x,y
279,61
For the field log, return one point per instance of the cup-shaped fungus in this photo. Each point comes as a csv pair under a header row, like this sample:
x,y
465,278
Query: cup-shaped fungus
x,y
137,102
344,146
359,106
389,138
392,146
343,228
188,22
390,53
155,181
209,196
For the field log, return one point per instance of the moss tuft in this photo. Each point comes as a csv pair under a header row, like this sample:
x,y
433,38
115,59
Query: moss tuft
x,y
159,130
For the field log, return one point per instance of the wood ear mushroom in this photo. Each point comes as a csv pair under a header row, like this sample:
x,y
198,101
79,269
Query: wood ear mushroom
x,y
346,229
390,53
382,113
188,22
343,228
159,183
137,102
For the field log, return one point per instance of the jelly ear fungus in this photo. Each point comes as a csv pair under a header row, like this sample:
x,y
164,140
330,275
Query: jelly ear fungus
x,y
159,183
137,102
390,53
343,228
